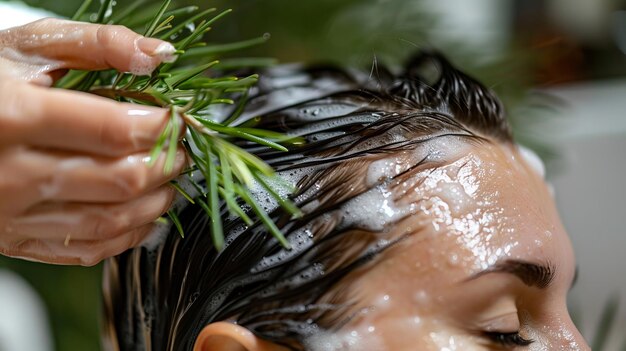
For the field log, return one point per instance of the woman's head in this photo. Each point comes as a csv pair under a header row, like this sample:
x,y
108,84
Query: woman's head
x,y
424,227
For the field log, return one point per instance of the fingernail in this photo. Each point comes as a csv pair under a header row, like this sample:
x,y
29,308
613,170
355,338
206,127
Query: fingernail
x,y
144,111
163,50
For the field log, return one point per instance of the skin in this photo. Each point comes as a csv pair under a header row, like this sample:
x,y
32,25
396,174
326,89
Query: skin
x,y
486,207
434,289
74,179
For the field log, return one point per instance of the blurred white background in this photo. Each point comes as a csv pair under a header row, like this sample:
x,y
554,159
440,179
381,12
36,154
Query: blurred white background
x,y
591,193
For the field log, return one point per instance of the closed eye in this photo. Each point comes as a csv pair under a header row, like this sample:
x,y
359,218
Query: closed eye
x,y
507,339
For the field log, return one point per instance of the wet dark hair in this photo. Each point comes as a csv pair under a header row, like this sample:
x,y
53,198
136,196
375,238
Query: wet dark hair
x,y
161,299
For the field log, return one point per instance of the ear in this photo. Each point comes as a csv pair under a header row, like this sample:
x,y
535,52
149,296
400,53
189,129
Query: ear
x,y
224,336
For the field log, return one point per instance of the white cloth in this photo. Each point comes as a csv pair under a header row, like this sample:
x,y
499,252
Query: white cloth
x,y
16,13
23,320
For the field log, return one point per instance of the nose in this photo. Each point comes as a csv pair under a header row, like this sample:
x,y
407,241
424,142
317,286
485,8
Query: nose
x,y
570,339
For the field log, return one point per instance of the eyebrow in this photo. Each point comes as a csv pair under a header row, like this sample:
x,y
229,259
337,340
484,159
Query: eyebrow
x,y
531,274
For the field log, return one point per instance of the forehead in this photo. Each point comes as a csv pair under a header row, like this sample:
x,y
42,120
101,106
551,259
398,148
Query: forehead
x,y
485,205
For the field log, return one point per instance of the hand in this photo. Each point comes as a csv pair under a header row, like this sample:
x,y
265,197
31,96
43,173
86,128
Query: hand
x,y
75,186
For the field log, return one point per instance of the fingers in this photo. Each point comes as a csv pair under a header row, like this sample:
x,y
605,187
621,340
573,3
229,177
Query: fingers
x,y
73,167
108,181
76,121
92,222
76,252
81,233
91,46
32,175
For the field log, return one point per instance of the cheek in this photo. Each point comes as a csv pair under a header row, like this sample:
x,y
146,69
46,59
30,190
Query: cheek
x,y
562,336
402,305
403,334
443,339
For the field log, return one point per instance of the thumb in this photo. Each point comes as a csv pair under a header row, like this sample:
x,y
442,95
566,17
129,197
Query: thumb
x,y
89,46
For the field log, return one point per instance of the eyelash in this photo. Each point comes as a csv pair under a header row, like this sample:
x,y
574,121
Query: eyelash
x,y
508,339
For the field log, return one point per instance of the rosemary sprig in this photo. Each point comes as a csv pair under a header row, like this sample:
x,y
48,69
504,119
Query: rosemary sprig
x,y
188,90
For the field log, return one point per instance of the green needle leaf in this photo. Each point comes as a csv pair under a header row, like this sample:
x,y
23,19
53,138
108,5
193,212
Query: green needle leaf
x,y
227,176
102,12
127,11
267,221
247,62
200,30
283,202
183,76
243,99
234,207
212,50
242,171
188,90
205,207
173,142
72,79
163,26
181,11
155,21
158,146
81,10
174,218
216,221
184,24
181,191
162,220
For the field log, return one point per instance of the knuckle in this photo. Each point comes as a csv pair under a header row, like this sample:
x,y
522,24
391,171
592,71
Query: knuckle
x,y
100,228
35,26
116,138
134,181
47,22
16,247
168,201
107,228
7,246
108,35
91,258
15,105
137,239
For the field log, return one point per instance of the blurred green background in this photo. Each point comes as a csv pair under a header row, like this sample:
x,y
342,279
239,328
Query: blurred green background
x,y
511,45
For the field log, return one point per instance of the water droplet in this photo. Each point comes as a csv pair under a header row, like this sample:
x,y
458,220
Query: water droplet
x,y
453,260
